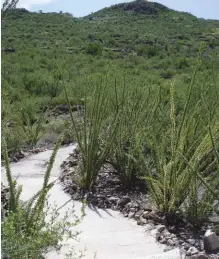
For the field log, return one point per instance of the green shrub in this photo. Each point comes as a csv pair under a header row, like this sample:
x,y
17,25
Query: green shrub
x,y
94,48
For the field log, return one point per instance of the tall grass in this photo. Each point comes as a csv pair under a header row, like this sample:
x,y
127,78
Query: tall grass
x,y
30,121
95,132
136,113
168,138
181,157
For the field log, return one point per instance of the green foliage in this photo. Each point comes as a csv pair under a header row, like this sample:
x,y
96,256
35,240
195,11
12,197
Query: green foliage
x,y
181,161
94,142
170,138
94,48
30,122
31,229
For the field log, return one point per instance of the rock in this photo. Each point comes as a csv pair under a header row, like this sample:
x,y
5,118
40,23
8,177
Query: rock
x,y
170,242
192,251
139,223
156,234
191,241
173,229
160,228
166,233
142,220
113,200
186,246
211,241
149,227
163,241
73,162
123,201
125,215
138,214
153,216
133,205
131,215
172,236
199,256
147,207
145,213
175,240
214,219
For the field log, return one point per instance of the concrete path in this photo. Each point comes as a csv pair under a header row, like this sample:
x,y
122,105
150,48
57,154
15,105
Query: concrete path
x,y
104,233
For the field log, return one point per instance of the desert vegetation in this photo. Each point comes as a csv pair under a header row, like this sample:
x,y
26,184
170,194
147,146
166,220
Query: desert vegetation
x,y
144,83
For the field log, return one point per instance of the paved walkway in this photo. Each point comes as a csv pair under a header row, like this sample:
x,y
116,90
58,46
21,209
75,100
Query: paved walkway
x,y
104,233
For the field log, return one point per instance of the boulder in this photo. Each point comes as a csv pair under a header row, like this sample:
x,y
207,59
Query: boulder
x,y
211,241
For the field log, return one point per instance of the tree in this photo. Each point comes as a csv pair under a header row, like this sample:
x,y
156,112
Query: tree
x,y
7,5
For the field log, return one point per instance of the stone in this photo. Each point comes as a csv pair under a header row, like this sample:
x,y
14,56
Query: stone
x,y
113,200
160,228
170,242
192,251
131,215
153,216
211,241
173,229
199,256
145,213
139,223
186,246
214,219
191,241
134,205
147,207
156,234
138,214
172,235
149,227
163,241
175,240
142,220
166,233
123,201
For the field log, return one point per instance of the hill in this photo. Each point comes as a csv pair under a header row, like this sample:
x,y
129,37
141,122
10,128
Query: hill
x,y
144,40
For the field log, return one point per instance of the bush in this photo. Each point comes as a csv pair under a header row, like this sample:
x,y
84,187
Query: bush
x,y
94,48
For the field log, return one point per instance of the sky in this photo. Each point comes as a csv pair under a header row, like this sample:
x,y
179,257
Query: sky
x,y
208,9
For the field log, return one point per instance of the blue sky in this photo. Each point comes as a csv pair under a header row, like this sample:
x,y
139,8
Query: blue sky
x,y
208,9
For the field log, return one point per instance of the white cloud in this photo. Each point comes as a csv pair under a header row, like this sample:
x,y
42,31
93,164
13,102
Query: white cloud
x,y
27,4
